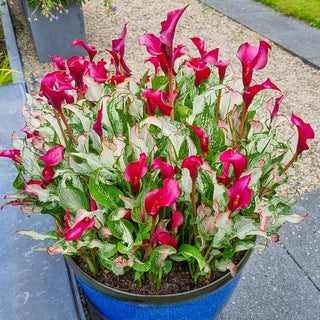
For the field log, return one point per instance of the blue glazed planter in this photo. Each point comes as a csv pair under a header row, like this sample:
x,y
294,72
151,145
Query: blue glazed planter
x,y
202,304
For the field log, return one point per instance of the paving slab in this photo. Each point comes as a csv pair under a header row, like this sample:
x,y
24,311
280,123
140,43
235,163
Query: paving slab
x,y
291,34
34,285
283,281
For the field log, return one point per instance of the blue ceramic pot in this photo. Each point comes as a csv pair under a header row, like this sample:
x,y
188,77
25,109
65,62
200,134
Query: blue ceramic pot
x,y
201,304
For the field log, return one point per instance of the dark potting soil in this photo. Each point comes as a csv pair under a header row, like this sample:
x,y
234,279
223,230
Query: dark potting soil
x,y
177,281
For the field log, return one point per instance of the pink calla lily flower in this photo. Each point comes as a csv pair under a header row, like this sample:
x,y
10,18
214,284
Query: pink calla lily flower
x,y
200,68
166,169
305,132
58,63
275,110
13,154
117,54
47,173
162,47
240,195
81,223
97,71
162,197
250,92
157,99
135,171
211,57
53,156
53,87
97,126
177,219
238,161
192,163
92,51
167,34
252,58
163,238
204,139
225,179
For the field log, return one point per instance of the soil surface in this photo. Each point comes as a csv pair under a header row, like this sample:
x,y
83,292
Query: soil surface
x,y
177,281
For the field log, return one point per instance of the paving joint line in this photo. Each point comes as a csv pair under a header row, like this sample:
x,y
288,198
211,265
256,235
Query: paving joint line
x,y
299,266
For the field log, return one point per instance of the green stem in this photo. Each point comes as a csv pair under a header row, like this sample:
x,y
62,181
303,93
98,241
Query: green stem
x,y
93,268
159,279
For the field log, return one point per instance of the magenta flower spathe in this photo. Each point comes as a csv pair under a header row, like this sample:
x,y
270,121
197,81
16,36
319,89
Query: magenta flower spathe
x,y
97,126
53,156
250,92
305,132
192,163
252,58
204,139
117,54
163,238
74,229
166,169
92,51
135,171
13,154
238,161
162,197
239,194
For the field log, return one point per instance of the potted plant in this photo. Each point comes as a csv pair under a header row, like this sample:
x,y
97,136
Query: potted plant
x,y
48,21
159,177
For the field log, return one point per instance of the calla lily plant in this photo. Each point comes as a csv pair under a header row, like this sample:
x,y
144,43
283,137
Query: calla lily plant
x,y
179,165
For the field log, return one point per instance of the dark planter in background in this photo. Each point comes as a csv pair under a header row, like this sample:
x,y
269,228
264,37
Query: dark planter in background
x,y
54,38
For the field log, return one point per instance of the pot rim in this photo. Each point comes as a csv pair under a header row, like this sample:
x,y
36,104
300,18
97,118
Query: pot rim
x,y
157,299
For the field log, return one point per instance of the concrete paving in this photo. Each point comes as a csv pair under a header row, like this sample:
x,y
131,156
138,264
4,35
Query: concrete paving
x,y
291,34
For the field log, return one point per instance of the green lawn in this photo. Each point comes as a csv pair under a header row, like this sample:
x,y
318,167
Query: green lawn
x,y
305,10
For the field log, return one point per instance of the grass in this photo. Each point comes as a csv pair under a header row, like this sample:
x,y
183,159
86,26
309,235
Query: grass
x,y
5,71
305,10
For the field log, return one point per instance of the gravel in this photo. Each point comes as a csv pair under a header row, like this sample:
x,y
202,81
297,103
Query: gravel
x,y
289,73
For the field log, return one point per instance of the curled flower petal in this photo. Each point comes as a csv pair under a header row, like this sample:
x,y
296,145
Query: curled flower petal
x,y
166,169
162,197
252,58
53,156
225,179
169,26
92,51
13,154
97,126
204,139
135,171
239,194
177,219
250,92
238,161
275,110
192,163
305,132
58,63
200,68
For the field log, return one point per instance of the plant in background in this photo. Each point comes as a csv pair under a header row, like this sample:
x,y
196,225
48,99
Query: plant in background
x,y
179,166
5,71
52,8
